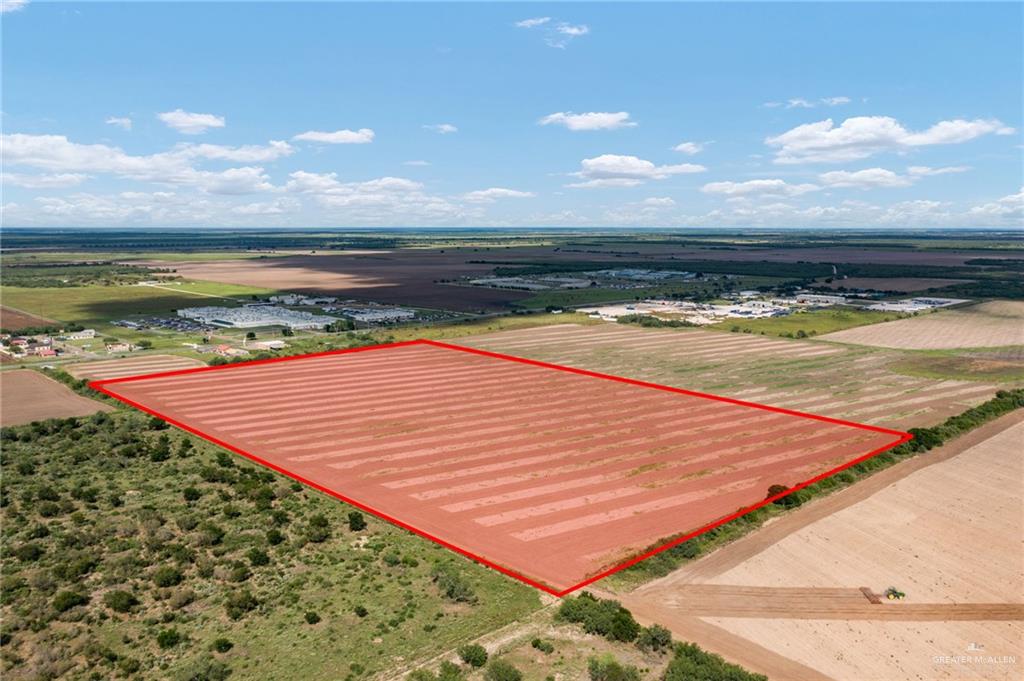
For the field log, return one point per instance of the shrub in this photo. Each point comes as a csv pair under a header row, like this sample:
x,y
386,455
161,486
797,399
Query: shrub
x,y
542,645
449,671
356,521
473,654
120,601
361,611
167,575
690,662
238,603
258,557
604,617
453,585
274,537
500,670
222,645
312,618
191,494
607,668
28,553
654,638
65,600
168,638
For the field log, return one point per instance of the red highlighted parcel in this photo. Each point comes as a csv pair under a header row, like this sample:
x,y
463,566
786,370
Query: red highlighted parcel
x,y
554,475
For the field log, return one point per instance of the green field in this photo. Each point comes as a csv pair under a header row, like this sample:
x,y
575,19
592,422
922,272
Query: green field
x,y
812,322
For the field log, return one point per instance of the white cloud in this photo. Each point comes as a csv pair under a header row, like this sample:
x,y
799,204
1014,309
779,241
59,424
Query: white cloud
x,y
835,101
865,179
361,136
572,30
658,202
689,148
57,181
864,136
12,5
593,120
276,207
249,153
380,200
441,128
533,23
120,121
1011,206
799,103
494,193
417,163
772,187
923,171
190,123
614,170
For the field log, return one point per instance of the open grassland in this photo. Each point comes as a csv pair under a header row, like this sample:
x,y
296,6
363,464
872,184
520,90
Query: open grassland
x,y
830,379
992,324
811,322
27,395
132,549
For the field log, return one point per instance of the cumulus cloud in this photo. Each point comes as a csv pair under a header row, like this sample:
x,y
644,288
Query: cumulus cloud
x,y
658,202
533,23
865,179
772,187
689,148
441,128
864,136
12,5
594,120
385,198
1010,206
614,170
361,136
189,123
924,171
276,207
494,193
249,153
56,181
120,121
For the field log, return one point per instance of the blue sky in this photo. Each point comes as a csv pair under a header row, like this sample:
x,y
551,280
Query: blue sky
x,y
493,114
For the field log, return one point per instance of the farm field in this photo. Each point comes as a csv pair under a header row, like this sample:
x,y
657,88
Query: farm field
x,y
824,378
15,320
901,536
130,366
905,285
27,396
811,322
992,324
546,473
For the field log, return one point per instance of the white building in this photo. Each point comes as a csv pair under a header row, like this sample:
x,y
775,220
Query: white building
x,y
256,316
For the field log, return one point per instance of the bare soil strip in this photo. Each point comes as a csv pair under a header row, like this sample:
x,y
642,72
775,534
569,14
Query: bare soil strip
x,y
131,366
27,396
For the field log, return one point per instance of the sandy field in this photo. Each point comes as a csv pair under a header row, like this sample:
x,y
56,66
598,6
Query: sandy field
x,y
130,366
551,474
27,396
15,320
992,324
907,285
824,378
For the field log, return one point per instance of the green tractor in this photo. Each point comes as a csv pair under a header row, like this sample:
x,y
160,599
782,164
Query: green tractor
x,y
894,594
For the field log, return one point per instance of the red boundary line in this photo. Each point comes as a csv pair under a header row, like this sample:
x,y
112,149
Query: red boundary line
x,y
902,437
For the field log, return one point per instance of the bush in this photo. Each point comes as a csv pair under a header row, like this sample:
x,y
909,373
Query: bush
x,y
654,638
258,557
205,669
542,645
607,668
222,645
500,670
312,618
168,638
690,662
453,585
238,603
166,576
191,494
28,553
356,521
120,601
360,611
65,600
598,616
473,654
274,537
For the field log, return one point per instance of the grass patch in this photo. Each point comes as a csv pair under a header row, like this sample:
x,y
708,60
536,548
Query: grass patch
x,y
811,322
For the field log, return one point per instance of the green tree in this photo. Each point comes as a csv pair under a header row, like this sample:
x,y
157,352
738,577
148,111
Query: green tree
x,y
473,654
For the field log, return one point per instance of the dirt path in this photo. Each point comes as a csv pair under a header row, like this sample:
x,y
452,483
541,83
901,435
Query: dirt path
x,y
716,600
746,547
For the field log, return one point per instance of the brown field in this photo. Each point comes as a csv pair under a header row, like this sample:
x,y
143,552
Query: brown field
x,y
130,366
945,528
551,474
907,285
15,320
27,396
834,380
409,276
993,324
